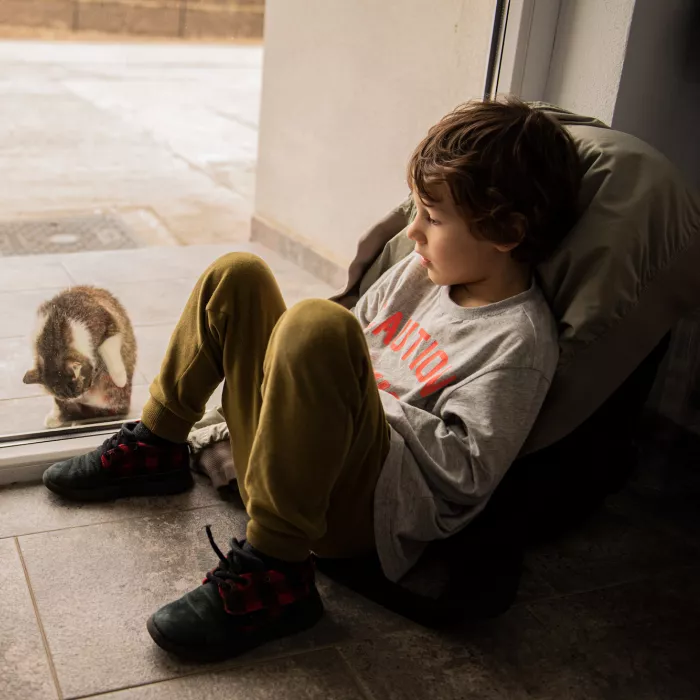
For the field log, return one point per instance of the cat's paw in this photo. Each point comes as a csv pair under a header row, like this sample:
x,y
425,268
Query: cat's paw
x,y
118,376
53,420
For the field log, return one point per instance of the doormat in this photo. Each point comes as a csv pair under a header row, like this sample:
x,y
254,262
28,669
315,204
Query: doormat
x,y
74,234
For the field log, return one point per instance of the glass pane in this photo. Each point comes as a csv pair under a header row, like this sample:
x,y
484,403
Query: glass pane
x,y
130,167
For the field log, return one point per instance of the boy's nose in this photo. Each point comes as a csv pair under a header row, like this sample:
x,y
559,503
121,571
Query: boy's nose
x,y
414,232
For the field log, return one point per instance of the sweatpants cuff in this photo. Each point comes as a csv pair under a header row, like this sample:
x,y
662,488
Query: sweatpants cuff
x,y
277,545
164,423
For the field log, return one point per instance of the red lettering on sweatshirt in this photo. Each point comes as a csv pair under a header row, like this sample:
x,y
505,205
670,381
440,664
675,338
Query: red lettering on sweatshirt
x,y
430,364
435,384
423,336
384,385
389,326
441,356
410,326
421,355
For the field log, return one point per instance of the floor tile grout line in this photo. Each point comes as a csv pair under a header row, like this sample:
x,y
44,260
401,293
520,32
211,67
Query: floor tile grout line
x,y
241,121
195,167
605,587
24,290
116,520
40,625
67,271
20,398
235,664
583,591
149,208
357,679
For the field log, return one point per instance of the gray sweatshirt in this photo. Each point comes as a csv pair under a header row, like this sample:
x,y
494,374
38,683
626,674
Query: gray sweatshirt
x,y
461,388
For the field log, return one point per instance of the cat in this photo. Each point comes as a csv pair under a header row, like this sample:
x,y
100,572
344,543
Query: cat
x,y
84,354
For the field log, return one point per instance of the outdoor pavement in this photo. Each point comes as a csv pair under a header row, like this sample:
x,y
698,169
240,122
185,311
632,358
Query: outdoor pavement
x,y
163,134
152,283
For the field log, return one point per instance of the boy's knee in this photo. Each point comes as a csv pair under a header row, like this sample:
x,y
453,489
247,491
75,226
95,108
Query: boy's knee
x,y
318,325
239,278
238,265
240,282
319,316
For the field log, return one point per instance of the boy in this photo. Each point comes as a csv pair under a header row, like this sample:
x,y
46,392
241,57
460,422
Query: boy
x,y
381,429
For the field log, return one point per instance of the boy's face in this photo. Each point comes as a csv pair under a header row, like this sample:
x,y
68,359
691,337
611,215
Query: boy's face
x,y
451,254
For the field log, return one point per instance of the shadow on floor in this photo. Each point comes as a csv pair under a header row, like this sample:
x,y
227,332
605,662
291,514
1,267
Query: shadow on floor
x,y
609,611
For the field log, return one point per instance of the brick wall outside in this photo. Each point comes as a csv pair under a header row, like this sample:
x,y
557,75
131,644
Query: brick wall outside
x,y
188,19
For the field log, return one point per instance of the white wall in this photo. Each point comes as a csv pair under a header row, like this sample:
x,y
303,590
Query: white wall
x,y
589,51
659,95
349,88
627,63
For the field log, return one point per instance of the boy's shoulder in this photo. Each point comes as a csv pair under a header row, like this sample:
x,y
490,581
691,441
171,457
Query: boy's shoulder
x,y
534,322
518,333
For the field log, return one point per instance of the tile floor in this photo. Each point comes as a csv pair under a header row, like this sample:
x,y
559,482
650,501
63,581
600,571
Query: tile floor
x,y
152,283
609,612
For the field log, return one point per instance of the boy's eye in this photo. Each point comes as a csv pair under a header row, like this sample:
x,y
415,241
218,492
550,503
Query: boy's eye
x,y
430,219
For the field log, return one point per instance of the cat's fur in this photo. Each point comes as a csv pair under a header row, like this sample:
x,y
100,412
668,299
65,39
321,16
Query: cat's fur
x,y
85,355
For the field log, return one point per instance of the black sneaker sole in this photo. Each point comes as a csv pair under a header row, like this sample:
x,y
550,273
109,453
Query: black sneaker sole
x,y
301,618
150,485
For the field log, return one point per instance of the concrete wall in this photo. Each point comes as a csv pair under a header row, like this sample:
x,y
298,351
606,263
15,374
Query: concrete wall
x,y
196,19
589,52
659,94
349,88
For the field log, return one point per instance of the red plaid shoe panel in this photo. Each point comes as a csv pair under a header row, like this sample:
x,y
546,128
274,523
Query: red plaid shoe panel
x,y
268,592
140,459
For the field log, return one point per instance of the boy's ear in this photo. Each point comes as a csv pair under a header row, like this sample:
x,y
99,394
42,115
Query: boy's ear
x,y
517,222
506,247
32,377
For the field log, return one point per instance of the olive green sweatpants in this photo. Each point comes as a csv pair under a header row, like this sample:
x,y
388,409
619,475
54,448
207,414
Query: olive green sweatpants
x,y
308,432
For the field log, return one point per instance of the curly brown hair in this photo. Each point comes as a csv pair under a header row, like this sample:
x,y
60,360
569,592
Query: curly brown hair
x,y
513,172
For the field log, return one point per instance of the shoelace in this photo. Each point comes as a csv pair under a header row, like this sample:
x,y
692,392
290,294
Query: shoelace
x,y
119,438
235,563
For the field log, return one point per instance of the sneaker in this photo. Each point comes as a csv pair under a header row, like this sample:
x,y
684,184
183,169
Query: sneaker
x,y
123,466
247,600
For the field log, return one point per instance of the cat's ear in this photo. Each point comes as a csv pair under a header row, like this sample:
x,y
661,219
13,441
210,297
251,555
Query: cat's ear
x,y
32,377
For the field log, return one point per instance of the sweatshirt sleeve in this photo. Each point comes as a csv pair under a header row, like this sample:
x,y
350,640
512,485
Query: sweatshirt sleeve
x,y
367,307
466,446
370,303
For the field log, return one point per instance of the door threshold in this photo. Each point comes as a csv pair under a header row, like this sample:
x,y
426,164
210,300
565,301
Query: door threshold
x,y
26,461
